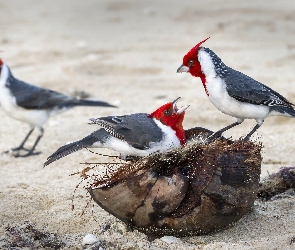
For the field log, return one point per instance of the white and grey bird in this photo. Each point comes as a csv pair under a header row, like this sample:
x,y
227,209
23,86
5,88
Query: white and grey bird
x,y
135,135
33,105
232,92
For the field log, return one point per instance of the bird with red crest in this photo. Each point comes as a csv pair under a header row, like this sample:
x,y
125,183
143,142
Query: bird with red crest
x,y
135,135
232,92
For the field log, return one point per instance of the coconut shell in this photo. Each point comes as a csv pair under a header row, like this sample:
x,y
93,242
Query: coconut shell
x,y
197,189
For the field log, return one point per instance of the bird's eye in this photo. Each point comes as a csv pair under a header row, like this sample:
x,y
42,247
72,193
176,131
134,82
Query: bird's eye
x,y
190,63
167,112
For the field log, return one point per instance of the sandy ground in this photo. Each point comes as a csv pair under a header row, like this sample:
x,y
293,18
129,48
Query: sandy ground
x,y
127,52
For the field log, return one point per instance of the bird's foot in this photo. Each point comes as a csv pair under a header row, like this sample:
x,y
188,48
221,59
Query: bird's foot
x,y
16,152
213,137
17,149
30,153
12,151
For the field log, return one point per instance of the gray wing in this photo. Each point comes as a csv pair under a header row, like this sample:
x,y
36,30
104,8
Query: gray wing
x,y
245,89
32,97
137,129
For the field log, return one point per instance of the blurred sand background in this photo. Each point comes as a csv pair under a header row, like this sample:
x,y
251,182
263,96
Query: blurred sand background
x,y
127,52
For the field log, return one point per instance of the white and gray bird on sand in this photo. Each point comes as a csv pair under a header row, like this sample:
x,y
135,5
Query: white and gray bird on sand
x,y
232,92
33,105
135,135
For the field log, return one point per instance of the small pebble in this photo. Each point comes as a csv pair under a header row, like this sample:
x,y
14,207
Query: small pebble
x,y
89,239
170,239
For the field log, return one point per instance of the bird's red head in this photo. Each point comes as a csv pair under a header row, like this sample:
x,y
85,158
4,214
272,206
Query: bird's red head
x,y
173,117
191,64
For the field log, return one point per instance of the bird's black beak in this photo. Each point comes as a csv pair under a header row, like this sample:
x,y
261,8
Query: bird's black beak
x,y
182,68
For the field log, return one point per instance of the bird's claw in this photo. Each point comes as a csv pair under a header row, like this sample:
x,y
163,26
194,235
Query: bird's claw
x,y
17,149
211,138
15,152
26,155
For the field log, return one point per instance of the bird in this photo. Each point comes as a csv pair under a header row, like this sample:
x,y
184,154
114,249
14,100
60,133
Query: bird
x,y
33,105
233,92
135,135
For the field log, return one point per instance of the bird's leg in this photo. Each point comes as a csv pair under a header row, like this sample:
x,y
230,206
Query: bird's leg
x,y
218,133
21,146
31,151
247,137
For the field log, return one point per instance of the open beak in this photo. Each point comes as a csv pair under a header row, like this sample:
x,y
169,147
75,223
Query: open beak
x,y
176,110
182,68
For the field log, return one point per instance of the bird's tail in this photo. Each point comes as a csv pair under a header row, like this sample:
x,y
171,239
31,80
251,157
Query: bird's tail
x,y
291,112
285,111
71,148
83,102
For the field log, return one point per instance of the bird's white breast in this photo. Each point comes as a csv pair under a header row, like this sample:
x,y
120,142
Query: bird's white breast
x,y
9,106
229,105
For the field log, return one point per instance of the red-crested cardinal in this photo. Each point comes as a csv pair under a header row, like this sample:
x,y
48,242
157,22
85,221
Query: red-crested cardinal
x,y
232,92
137,134
33,105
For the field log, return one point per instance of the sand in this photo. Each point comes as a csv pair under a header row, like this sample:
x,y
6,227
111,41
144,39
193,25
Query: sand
x,y
127,52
